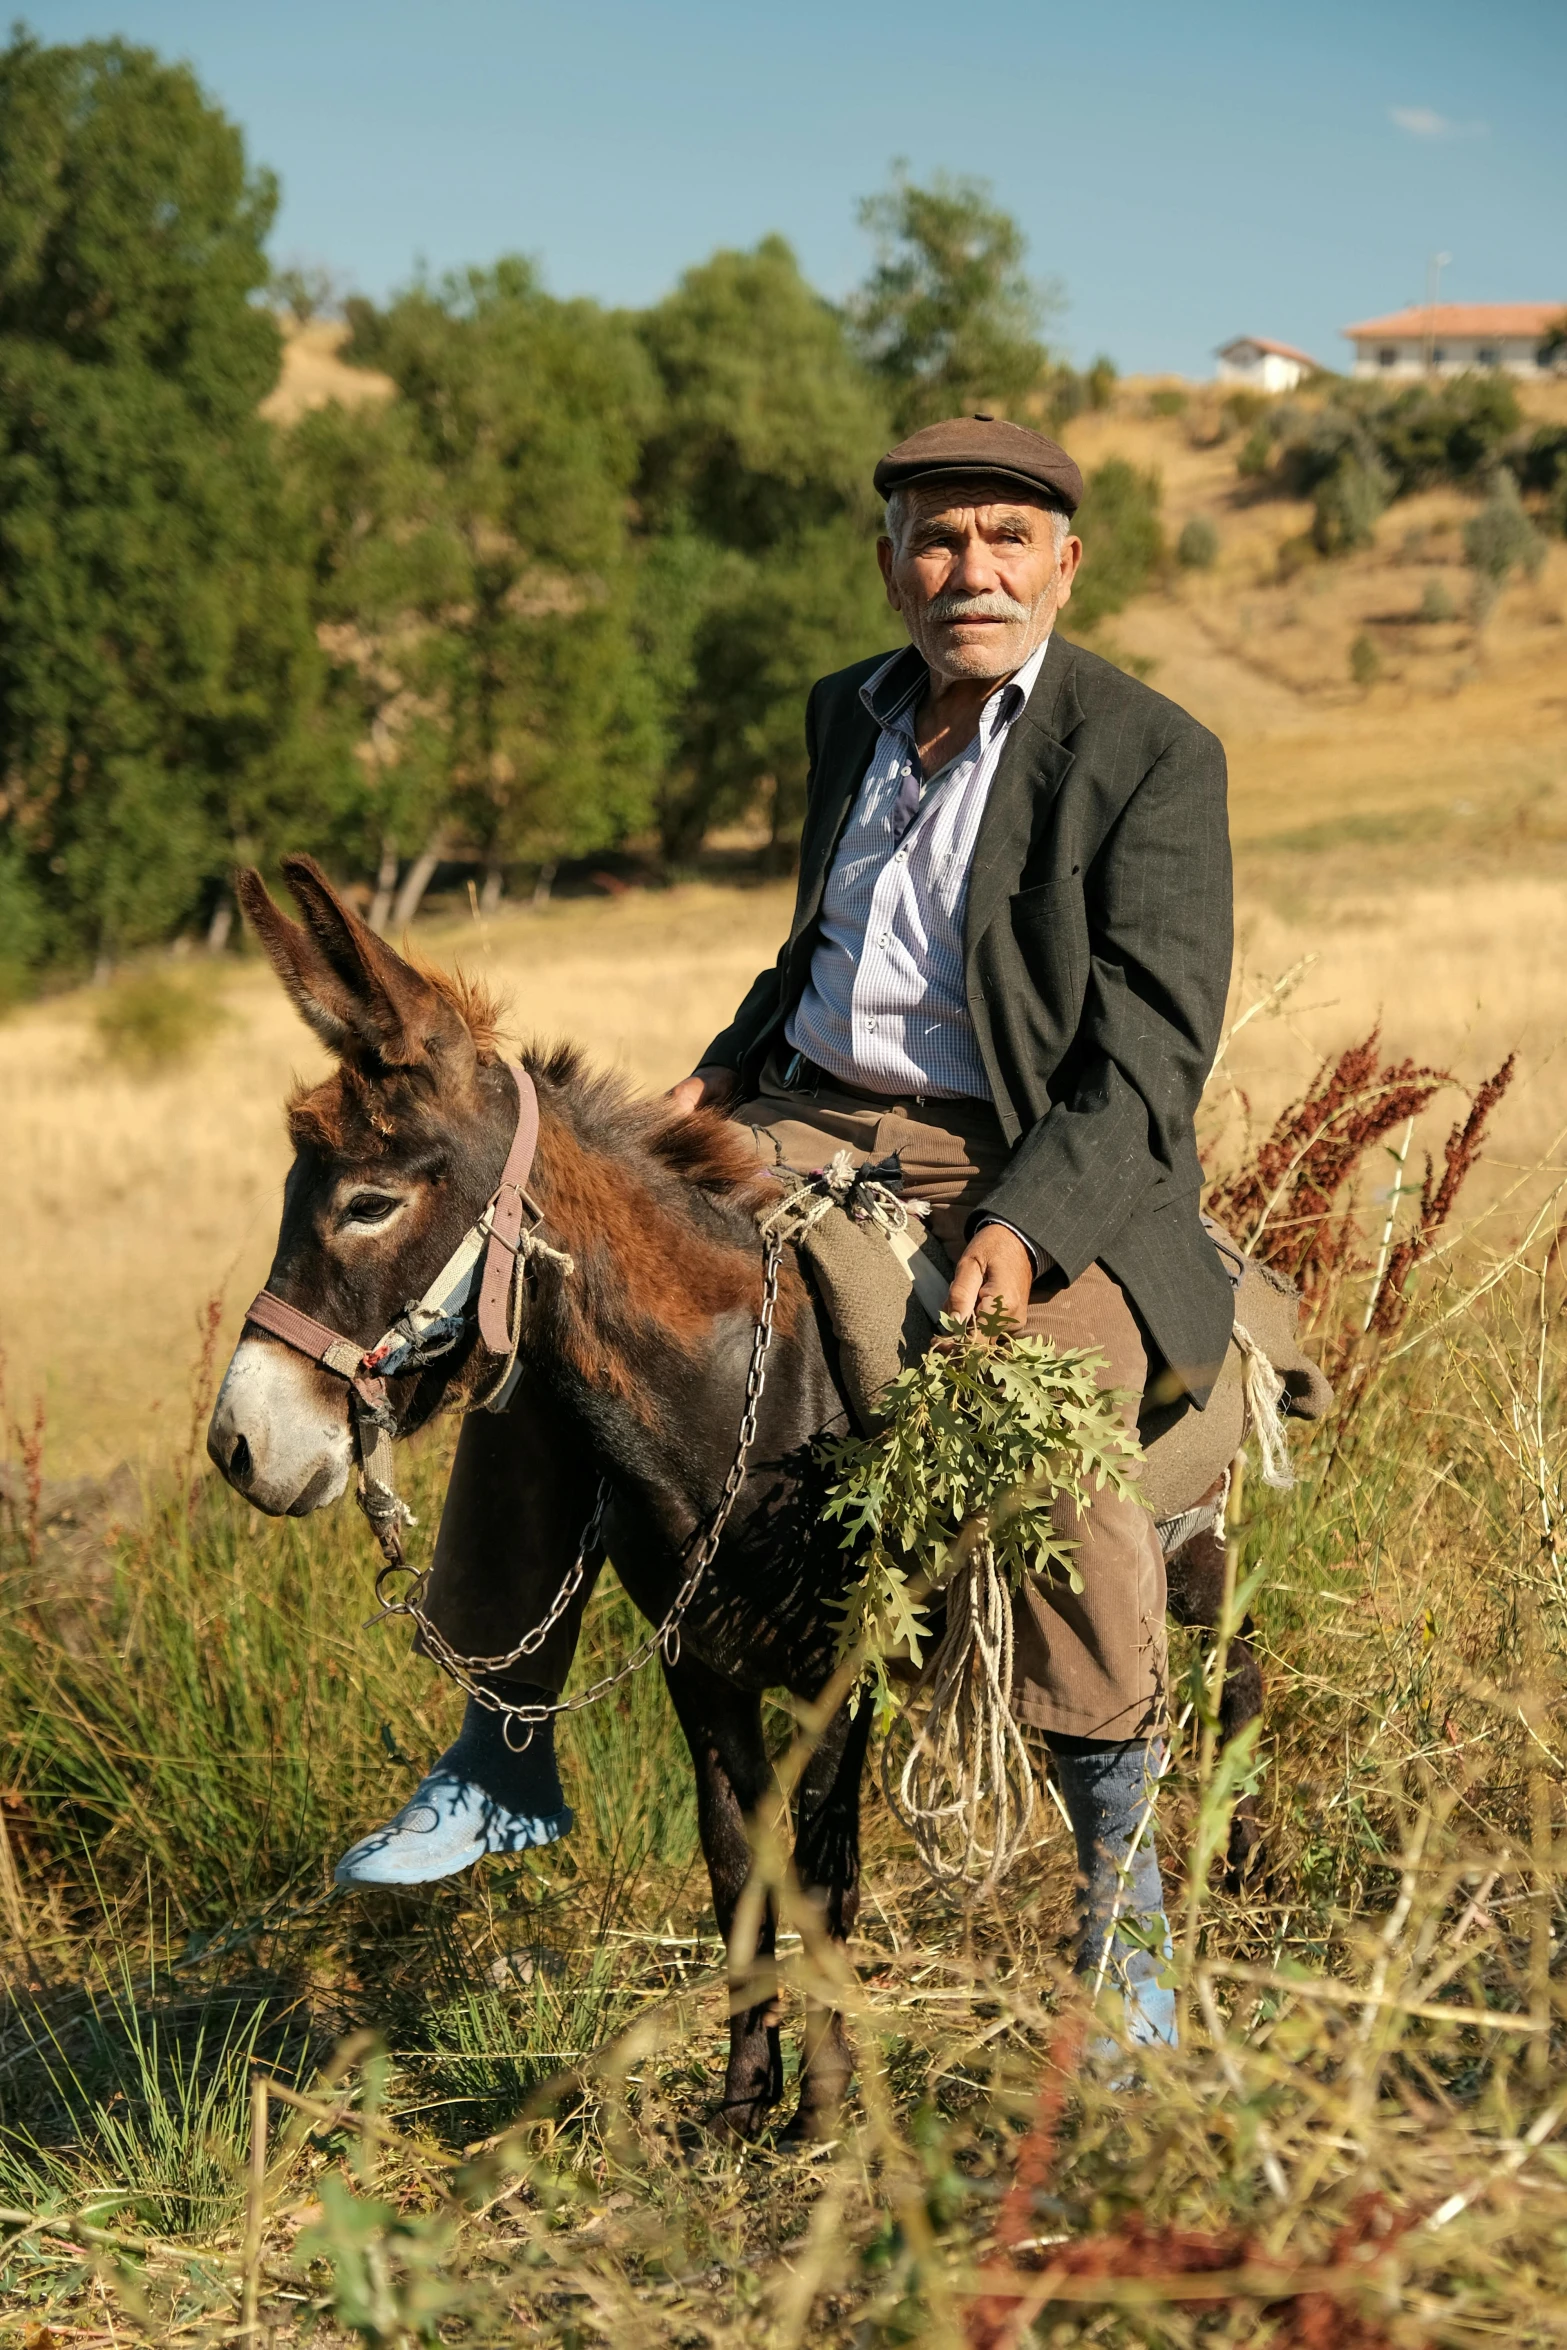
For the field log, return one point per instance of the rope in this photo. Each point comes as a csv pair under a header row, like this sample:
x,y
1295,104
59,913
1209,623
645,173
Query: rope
x,y
1264,1392
967,1767
840,1184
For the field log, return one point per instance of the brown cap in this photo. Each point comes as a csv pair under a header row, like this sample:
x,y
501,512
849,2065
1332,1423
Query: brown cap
x,y
983,444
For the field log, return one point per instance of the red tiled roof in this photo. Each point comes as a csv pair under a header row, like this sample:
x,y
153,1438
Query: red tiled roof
x,y
1526,319
1261,343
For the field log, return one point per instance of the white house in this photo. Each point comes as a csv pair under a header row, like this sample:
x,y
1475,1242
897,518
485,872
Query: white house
x,y
1446,338
1265,366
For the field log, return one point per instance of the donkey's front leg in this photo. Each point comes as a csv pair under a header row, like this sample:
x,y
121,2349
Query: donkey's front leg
x,y
723,1727
827,1857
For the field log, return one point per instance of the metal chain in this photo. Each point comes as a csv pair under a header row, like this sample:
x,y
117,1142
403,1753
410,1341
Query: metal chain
x,y
666,1636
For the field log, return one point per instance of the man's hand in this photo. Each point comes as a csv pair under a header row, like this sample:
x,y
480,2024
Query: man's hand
x,y
705,1089
994,1269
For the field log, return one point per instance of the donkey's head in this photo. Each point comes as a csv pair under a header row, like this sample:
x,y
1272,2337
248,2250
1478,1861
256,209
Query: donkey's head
x,y
394,1157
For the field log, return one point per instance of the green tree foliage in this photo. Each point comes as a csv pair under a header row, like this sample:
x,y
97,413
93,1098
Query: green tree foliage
x,y
1498,541
759,573
1541,465
948,318
574,580
524,423
381,567
156,666
1366,446
1197,548
1332,458
1123,542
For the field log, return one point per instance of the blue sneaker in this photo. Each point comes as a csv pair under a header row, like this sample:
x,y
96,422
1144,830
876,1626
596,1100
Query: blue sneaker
x,y
479,1797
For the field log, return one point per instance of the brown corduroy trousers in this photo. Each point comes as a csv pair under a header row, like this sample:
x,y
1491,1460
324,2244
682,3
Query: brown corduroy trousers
x,y
1089,1664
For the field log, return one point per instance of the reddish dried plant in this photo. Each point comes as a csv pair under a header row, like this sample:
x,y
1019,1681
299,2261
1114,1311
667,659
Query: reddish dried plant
x,y
1438,1198
1311,2312
1295,1202
203,1386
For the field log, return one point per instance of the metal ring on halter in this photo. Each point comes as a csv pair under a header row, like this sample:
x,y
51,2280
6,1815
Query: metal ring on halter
x,y
417,1579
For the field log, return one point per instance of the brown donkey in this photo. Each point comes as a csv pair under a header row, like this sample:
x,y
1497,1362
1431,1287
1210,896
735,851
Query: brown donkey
x,y
637,1356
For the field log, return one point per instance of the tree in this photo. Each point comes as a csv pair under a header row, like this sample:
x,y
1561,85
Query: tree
x,y
525,419
759,571
1123,542
382,559
948,318
156,664
1498,541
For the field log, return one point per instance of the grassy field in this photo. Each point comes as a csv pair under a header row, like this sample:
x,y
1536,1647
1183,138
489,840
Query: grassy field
x,y
486,2104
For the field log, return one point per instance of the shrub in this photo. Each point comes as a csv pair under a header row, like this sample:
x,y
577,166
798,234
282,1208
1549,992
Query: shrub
x,y
1445,432
1498,541
1365,662
1169,400
1347,504
152,1021
1542,466
1366,446
1244,408
1436,601
1068,391
1256,453
1100,382
1197,548
1120,528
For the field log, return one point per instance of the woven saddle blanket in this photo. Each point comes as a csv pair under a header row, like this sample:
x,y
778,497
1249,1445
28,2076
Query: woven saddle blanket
x,y
882,1279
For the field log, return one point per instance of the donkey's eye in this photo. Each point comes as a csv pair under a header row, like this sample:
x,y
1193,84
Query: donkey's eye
x,y
370,1207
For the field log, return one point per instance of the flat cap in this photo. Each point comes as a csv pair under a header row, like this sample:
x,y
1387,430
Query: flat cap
x,y
983,444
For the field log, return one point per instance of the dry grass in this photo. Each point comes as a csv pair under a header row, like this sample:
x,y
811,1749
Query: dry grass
x,y
313,375
130,1199
1356,2147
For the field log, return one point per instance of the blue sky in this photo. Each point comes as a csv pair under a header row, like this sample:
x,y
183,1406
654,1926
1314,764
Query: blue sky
x,y
1186,172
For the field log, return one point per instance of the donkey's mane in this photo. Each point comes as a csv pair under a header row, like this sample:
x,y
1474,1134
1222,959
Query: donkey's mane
x,y
701,1148
474,1001
699,1152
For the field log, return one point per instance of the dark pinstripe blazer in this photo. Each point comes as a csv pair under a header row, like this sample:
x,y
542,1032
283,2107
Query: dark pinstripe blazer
x,y
1097,940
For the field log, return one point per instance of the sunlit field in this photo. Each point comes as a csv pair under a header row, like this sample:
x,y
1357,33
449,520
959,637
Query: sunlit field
x,y
484,2112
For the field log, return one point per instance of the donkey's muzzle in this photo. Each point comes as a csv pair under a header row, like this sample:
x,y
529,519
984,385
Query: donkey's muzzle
x,y
279,1431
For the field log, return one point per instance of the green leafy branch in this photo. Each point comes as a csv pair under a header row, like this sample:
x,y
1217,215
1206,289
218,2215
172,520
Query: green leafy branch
x,y
979,1441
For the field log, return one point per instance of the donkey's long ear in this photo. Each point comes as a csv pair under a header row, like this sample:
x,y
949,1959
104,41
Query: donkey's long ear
x,y
401,1017
360,997
313,987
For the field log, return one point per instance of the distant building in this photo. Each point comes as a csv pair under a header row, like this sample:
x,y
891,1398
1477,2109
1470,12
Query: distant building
x,y
1445,338
1267,367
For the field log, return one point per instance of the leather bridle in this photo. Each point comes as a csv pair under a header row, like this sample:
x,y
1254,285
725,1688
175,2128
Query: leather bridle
x,y
490,1257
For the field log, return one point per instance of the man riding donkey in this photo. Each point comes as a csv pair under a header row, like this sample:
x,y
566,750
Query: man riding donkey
x,y
1007,966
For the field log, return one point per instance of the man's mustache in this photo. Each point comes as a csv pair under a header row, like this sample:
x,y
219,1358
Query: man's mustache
x,y
953,604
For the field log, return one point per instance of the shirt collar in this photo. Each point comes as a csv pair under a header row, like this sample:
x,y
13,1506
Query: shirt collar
x,y
891,701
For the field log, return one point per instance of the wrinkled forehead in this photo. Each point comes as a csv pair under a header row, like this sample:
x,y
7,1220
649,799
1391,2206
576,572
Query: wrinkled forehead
x,y
941,497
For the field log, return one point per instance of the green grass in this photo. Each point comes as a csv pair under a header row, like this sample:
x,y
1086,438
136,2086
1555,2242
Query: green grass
x,y
509,2142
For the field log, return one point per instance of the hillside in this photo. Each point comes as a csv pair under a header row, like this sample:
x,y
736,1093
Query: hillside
x,y
313,374
1411,837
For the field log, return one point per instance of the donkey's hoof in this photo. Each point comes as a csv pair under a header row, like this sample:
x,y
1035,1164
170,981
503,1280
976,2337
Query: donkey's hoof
x,y
1246,1860
742,2118
813,2125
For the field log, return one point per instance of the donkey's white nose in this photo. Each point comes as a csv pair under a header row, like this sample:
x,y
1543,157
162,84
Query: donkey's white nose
x,y
273,1435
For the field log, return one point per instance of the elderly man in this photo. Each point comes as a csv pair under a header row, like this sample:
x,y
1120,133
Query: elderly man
x,y
1008,963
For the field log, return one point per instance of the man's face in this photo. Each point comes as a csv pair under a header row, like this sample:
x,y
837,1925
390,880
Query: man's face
x,y
978,576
